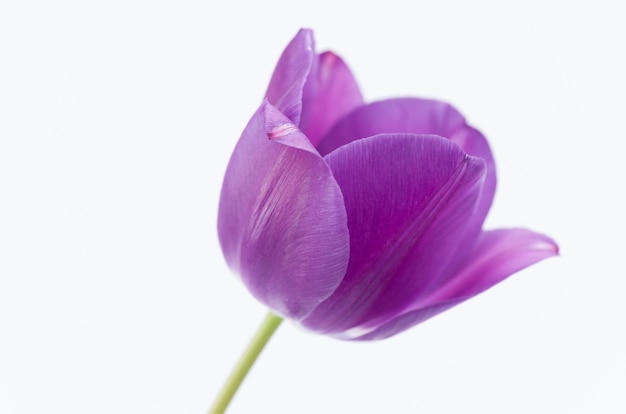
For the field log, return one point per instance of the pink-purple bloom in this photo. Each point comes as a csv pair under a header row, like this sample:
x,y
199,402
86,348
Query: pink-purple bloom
x,y
362,220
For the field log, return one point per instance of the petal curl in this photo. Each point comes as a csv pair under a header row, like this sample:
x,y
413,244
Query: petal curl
x,y
330,93
293,67
498,255
421,116
408,199
282,222
399,115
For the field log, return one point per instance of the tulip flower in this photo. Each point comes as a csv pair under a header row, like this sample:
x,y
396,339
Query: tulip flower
x,y
359,220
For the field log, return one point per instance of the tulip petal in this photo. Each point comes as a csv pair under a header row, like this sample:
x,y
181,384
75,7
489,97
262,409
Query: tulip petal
x,y
474,143
289,77
421,116
399,323
498,254
399,115
282,222
330,93
408,199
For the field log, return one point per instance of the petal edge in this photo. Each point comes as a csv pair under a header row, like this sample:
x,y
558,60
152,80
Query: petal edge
x,y
498,255
282,223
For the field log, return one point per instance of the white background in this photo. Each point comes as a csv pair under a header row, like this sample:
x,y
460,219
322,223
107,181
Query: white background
x,y
117,120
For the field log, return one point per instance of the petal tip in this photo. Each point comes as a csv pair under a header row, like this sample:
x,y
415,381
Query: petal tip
x,y
543,243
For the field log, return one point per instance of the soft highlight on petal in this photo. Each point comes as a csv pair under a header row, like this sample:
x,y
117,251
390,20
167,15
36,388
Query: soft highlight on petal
x,y
399,323
289,77
282,222
330,93
408,200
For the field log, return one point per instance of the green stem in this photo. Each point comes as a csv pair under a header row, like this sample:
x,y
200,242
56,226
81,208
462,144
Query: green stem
x,y
256,345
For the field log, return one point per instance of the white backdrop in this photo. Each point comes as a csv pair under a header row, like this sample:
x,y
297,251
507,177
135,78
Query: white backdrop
x,y
117,120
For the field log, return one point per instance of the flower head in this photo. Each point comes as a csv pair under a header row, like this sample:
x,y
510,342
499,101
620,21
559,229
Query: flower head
x,y
361,220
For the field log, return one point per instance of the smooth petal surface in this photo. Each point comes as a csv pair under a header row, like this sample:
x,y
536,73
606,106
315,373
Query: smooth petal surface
x,y
330,93
498,254
408,199
282,222
412,116
421,116
293,67
400,115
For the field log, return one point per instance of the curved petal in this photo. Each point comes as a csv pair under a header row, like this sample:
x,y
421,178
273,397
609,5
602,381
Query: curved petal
x,y
282,222
330,93
498,254
408,199
474,143
400,115
421,116
399,323
412,116
292,69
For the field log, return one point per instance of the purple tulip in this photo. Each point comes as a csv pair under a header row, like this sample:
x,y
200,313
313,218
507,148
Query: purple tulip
x,y
361,220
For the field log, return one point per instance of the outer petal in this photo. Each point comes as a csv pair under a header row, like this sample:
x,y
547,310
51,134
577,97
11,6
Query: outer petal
x,y
282,220
474,143
330,93
497,255
408,199
292,69
421,116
